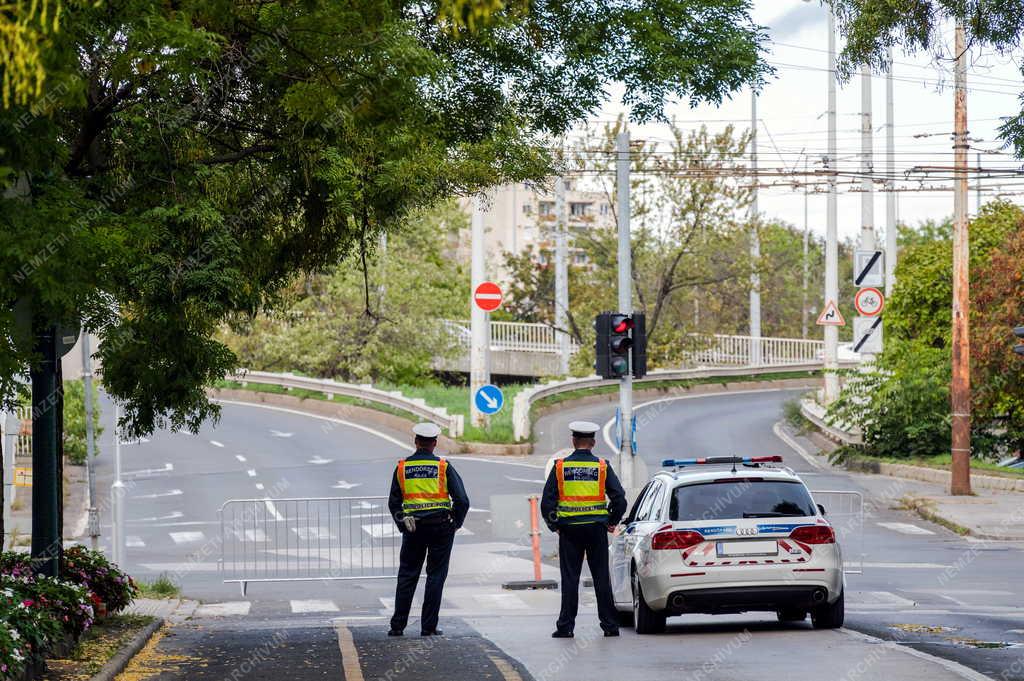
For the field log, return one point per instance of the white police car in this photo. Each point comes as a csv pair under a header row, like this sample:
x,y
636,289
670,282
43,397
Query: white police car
x,y
726,535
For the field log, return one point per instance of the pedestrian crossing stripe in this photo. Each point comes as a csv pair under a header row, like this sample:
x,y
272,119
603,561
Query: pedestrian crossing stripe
x,y
187,537
314,605
905,528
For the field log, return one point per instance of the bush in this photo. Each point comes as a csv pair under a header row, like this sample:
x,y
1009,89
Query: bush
x,y
75,448
14,652
106,581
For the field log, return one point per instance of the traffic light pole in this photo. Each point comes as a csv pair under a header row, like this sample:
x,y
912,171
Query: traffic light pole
x,y
622,162
479,354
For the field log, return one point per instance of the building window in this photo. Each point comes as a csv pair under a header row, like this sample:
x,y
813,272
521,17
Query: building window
x,y
527,209
605,209
546,208
579,210
580,258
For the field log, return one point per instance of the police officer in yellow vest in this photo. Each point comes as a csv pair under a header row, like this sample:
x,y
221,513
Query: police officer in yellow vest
x,y
428,503
583,501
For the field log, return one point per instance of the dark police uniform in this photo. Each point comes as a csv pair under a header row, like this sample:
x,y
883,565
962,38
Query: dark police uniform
x,y
436,521
571,508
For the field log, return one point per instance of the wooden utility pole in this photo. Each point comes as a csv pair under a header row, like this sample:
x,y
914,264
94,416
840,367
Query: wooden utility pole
x,y
960,388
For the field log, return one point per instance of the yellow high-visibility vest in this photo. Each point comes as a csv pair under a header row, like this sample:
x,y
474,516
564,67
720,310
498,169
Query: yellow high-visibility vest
x,y
581,488
424,485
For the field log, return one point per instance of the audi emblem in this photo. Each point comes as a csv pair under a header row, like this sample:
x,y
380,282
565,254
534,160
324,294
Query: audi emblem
x,y
746,531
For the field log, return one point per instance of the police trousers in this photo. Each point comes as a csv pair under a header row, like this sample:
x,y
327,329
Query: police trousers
x,y
575,542
432,542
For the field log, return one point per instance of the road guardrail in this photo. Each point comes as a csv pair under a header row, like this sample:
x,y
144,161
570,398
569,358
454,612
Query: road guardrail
x,y
525,400
452,423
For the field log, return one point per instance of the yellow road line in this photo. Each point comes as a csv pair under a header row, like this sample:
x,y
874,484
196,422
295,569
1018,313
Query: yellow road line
x,y
349,655
508,672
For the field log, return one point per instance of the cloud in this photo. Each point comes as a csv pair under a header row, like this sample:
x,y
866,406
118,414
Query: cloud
x,y
802,16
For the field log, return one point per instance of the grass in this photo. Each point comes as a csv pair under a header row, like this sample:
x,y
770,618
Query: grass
x,y
161,587
926,509
98,644
944,461
455,399
304,394
795,419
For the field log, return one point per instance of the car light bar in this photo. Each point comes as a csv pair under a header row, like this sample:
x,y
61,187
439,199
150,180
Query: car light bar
x,y
721,459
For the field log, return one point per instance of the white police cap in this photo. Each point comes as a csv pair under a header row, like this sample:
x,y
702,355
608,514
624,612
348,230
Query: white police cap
x,y
427,430
583,428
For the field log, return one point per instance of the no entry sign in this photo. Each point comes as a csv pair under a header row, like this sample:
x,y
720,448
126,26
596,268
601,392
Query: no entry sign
x,y
487,296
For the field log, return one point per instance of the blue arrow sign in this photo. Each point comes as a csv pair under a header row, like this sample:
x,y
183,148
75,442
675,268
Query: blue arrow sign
x,y
489,399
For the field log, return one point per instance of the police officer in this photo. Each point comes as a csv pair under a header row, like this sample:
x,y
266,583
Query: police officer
x,y
428,503
574,506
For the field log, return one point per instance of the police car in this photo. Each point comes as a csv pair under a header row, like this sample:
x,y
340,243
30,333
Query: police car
x,y
726,535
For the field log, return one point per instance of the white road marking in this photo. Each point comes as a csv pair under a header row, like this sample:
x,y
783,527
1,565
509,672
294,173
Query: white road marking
x,y
170,516
313,605
365,505
344,484
158,495
251,472
509,477
216,444
955,667
313,533
272,510
905,528
259,485
187,537
278,433
464,531
168,467
133,542
902,566
879,598
381,530
319,460
228,609
501,601
607,430
255,536
240,458
795,446
479,510
181,568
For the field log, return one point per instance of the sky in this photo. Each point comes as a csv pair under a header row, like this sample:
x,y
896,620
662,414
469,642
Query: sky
x,y
793,126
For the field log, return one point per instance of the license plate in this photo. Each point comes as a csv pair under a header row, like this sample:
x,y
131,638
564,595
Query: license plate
x,y
748,548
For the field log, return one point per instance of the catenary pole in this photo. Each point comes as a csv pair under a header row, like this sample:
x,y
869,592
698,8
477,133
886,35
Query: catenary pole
x,y
755,243
831,226
890,172
561,277
960,388
622,168
867,169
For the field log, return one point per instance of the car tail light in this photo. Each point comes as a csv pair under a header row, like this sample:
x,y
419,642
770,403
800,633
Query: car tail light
x,y
675,539
814,534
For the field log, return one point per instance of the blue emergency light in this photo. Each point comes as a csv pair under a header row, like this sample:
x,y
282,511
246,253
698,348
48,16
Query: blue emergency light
x,y
720,460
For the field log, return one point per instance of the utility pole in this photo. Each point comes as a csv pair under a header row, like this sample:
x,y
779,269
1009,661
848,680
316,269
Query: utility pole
x,y
977,188
117,495
755,243
891,235
46,543
480,331
806,263
867,169
622,163
832,225
94,516
561,277
960,387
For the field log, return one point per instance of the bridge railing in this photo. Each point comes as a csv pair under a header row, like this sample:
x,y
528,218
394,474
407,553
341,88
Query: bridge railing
x,y
453,423
513,336
725,350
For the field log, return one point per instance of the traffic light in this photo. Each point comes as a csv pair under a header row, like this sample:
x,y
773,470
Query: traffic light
x,y
1019,333
620,338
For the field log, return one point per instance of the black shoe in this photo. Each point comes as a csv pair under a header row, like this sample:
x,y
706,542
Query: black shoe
x,y
562,634
432,632
395,632
611,632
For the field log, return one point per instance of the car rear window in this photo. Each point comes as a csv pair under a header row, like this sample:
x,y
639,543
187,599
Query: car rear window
x,y
741,498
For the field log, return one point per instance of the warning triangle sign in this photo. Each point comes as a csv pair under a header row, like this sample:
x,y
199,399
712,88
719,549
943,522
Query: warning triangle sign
x,y
831,316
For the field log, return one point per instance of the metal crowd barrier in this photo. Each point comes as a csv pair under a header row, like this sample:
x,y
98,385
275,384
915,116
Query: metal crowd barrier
x,y
845,512
295,540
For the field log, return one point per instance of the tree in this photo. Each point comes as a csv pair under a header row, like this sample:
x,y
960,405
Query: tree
x,y
872,26
190,159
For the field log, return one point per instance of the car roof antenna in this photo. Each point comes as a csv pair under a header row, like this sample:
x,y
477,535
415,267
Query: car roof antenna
x,y
734,463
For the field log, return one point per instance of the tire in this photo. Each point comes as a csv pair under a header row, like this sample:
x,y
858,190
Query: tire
x,y
791,614
829,615
625,618
646,621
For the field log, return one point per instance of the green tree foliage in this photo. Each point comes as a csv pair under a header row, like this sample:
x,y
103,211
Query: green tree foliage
x,y
374,325
902,405
185,161
872,26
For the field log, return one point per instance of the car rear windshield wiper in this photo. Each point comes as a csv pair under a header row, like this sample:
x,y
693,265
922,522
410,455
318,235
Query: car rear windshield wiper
x,y
772,514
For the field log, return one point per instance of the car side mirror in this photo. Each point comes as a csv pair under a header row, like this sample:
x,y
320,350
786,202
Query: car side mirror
x,y
821,508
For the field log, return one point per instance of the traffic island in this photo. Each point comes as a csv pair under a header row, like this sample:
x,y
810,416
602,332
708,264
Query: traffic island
x,y
104,650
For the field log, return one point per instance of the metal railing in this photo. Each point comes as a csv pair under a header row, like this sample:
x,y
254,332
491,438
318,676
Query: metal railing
x,y
315,539
513,336
453,423
723,350
23,444
844,511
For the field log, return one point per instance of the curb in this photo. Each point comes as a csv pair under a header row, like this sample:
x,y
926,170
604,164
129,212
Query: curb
x,y
120,660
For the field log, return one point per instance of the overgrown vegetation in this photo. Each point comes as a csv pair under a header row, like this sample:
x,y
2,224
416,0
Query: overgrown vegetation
x,y
161,587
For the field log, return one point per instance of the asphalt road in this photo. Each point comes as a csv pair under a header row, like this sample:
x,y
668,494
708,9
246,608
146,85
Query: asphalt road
x,y
935,595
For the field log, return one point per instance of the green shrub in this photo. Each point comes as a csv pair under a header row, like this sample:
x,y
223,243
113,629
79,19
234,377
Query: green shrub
x,y
74,421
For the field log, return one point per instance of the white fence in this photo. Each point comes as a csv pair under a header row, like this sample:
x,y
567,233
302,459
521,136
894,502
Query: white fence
x,y
722,350
315,539
513,336
453,423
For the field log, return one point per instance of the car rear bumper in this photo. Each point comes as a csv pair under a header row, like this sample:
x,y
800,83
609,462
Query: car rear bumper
x,y
725,600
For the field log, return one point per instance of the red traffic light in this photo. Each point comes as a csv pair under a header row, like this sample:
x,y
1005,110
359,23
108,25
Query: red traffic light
x,y
621,324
